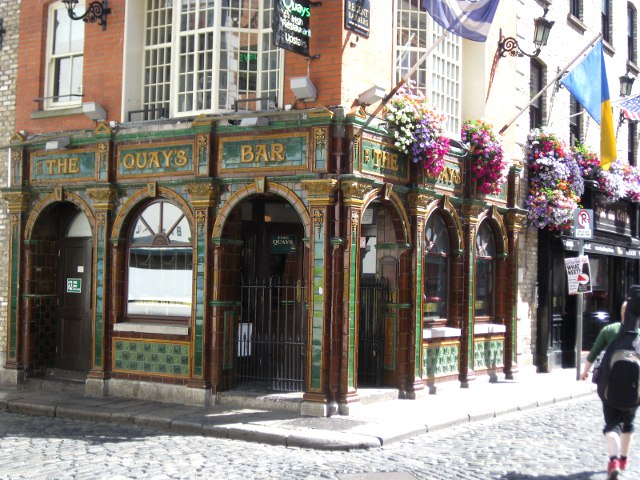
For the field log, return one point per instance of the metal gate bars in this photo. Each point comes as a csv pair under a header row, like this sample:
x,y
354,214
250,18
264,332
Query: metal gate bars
x,y
270,339
374,294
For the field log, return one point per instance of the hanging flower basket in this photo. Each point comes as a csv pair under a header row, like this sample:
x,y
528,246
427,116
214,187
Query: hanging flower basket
x,y
489,168
555,181
588,161
418,129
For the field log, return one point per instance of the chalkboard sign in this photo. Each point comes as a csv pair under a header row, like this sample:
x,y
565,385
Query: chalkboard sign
x,y
291,25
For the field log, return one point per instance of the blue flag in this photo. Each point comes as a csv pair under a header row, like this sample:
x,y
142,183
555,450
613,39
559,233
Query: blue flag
x,y
470,19
588,84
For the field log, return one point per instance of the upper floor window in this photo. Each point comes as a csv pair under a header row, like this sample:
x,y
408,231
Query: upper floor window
x,y
575,8
160,264
575,122
606,20
65,48
632,143
207,56
485,280
436,268
632,33
440,76
536,84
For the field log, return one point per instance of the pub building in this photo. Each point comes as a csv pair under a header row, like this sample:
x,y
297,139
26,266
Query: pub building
x,y
176,258
613,252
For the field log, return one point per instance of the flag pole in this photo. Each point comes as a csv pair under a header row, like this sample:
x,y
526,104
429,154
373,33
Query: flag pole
x,y
402,81
555,79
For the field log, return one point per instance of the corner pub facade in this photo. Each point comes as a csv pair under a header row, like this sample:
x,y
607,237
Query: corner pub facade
x,y
292,250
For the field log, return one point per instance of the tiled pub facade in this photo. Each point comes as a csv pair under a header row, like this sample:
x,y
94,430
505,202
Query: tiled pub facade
x,y
330,175
291,249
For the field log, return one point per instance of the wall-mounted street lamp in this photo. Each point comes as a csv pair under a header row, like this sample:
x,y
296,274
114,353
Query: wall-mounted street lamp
x,y
509,45
96,12
626,85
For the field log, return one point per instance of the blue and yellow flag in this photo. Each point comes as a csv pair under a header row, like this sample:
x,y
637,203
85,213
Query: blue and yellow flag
x,y
588,84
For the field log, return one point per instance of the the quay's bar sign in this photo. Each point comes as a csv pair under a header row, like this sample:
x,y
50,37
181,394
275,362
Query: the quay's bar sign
x,y
384,160
168,159
76,166
253,153
291,25
356,16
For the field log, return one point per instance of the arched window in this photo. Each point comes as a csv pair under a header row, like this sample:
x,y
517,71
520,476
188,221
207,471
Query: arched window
x,y
160,269
485,271
436,268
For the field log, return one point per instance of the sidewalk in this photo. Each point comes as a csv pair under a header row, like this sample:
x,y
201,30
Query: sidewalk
x,y
369,425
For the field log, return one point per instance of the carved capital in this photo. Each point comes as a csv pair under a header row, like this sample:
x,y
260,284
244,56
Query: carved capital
x,y
202,193
102,198
471,211
16,201
515,221
354,192
320,192
418,202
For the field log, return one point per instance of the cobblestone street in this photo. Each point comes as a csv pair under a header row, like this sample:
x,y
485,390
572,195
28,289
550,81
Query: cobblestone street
x,y
561,441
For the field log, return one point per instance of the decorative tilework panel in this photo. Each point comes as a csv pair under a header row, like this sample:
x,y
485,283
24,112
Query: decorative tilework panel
x,y
489,354
439,360
151,357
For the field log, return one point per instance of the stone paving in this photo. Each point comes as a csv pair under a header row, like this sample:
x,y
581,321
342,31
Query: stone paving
x,y
560,441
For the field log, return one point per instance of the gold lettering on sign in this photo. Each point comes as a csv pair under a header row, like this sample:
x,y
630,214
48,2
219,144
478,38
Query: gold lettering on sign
x,y
61,166
450,175
155,159
381,159
262,153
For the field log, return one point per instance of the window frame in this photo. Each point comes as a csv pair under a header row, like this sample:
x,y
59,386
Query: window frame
x,y
606,20
152,103
444,256
575,122
632,33
52,81
155,245
437,69
536,109
490,257
632,142
575,8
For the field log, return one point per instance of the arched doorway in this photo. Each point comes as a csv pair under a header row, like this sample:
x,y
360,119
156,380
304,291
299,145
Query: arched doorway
x,y
61,268
270,332
379,275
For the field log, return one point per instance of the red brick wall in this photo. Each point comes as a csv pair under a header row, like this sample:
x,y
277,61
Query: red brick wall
x,y
103,59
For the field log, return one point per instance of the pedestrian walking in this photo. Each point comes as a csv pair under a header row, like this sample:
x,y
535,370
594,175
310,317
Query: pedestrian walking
x,y
619,422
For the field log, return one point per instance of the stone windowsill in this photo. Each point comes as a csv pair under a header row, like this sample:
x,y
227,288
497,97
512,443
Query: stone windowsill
x,y
440,332
488,328
157,328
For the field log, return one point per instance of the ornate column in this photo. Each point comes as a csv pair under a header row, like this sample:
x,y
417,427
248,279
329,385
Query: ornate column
x,y
353,193
202,200
17,204
470,213
103,200
418,204
317,397
515,223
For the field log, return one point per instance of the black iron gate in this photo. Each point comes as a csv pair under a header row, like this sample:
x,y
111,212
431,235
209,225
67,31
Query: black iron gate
x,y
374,293
270,339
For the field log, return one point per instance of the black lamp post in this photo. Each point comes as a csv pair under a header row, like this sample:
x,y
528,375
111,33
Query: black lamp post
x,y
97,11
542,28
